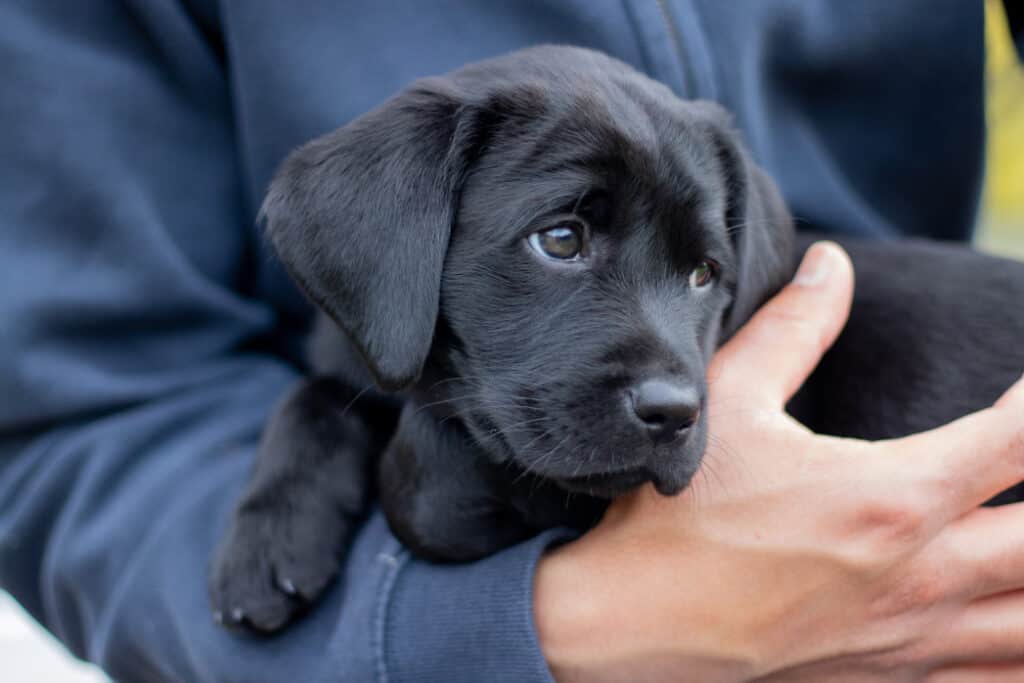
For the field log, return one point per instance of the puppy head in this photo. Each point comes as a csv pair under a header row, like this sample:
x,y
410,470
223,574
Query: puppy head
x,y
549,246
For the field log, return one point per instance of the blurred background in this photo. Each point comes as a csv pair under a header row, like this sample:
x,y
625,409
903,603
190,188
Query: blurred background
x,y
1002,218
30,655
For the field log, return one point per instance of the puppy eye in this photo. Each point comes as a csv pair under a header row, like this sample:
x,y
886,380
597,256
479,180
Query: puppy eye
x,y
703,274
565,241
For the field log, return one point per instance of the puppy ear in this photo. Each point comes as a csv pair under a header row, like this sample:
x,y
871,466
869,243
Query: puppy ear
x,y
758,221
361,218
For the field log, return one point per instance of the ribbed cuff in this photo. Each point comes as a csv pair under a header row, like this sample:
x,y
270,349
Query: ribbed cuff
x,y
471,622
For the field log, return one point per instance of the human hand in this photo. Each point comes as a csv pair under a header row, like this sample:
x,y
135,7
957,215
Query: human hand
x,y
800,557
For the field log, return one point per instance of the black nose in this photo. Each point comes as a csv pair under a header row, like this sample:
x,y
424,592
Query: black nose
x,y
665,408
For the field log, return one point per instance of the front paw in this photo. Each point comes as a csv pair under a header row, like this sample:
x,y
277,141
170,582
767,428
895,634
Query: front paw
x,y
273,563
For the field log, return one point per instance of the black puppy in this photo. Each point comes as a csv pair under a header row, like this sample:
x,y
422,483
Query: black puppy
x,y
542,251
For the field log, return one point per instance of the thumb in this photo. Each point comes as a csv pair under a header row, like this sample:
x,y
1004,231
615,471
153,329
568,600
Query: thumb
x,y
772,355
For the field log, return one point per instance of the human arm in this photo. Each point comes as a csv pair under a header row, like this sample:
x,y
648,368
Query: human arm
x,y
796,556
137,359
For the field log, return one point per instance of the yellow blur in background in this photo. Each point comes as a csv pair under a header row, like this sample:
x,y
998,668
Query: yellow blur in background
x,y
1002,219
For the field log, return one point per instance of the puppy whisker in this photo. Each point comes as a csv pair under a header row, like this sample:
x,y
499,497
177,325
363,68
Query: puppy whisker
x,y
494,433
348,406
534,466
528,467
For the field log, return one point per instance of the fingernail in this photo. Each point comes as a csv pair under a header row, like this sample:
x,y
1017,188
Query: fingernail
x,y
815,267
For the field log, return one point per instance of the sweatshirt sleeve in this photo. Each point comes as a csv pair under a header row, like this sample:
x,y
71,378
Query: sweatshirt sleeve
x,y
137,368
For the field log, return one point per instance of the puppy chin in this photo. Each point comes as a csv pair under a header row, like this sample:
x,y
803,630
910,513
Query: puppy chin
x,y
613,484
680,469
673,485
606,485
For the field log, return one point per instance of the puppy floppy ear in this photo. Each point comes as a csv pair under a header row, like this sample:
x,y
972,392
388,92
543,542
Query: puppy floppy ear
x,y
361,218
760,225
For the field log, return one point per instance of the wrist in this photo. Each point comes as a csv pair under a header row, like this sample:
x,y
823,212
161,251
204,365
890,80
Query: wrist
x,y
611,614
559,613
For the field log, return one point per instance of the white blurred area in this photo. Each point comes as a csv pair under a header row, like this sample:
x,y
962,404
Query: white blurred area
x,y
28,654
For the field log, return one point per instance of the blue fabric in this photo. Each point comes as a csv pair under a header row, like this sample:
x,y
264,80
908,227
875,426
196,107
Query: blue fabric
x,y
147,331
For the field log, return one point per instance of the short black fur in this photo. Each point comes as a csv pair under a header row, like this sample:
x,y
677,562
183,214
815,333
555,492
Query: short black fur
x,y
519,377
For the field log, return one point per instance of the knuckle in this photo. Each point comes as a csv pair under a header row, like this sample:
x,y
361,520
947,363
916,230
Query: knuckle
x,y
915,592
927,589
882,534
895,523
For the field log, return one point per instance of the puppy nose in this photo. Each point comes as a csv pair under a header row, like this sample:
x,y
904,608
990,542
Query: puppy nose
x,y
665,408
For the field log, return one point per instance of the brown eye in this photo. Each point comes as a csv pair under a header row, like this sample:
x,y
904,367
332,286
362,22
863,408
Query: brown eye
x,y
562,242
702,274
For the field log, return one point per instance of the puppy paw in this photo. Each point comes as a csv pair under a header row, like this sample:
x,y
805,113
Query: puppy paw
x,y
272,565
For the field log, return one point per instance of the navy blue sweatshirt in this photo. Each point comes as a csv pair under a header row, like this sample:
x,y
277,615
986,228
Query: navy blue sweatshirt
x,y
146,331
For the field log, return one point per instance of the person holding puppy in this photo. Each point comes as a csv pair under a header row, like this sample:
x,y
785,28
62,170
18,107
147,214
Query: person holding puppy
x,y
804,557
148,338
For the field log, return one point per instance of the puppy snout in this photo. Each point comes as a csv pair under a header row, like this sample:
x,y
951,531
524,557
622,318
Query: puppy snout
x,y
664,408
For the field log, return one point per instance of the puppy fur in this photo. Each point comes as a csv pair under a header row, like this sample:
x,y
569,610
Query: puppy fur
x,y
488,390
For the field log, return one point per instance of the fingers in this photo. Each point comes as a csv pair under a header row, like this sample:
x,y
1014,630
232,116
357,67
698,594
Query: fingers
x,y
786,338
970,459
986,548
990,631
995,673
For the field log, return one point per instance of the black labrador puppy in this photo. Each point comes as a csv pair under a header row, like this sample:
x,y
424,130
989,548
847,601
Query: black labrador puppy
x,y
537,256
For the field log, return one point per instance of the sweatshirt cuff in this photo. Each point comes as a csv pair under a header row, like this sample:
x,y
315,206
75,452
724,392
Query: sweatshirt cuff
x,y
470,622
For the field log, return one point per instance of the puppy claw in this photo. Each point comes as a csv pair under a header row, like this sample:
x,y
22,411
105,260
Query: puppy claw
x,y
265,575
